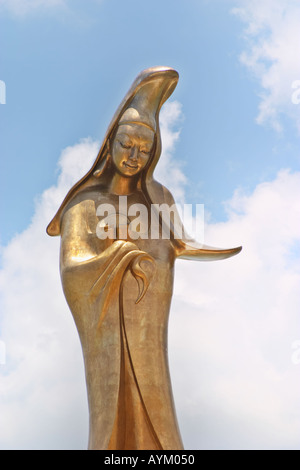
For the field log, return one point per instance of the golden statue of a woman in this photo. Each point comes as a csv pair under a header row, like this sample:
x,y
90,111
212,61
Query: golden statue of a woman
x,y
119,286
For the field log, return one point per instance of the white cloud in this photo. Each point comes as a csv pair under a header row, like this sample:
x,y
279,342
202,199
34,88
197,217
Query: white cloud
x,y
271,54
235,325
167,170
43,377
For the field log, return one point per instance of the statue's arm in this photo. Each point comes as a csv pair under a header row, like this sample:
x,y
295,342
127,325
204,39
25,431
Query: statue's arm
x,y
204,252
91,269
80,247
77,247
188,248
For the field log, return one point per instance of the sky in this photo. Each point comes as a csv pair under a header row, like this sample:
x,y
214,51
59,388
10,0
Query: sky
x,y
230,135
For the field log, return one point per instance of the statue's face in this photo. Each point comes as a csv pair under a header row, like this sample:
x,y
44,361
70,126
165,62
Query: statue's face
x,y
131,148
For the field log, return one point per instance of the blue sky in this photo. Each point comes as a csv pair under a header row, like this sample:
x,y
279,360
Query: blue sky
x,y
67,67
231,143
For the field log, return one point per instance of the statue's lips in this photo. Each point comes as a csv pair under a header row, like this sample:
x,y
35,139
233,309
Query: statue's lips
x,y
133,167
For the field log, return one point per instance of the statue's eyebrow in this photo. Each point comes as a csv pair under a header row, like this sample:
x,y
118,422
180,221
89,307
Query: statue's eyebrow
x,y
123,134
147,145
146,142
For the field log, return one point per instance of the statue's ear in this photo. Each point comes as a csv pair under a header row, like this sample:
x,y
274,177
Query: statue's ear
x,y
104,161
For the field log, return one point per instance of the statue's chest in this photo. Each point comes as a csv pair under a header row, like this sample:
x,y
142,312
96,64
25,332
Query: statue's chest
x,y
128,218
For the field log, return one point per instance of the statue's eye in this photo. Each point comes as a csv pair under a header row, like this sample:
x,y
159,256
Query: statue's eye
x,y
144,151
125,145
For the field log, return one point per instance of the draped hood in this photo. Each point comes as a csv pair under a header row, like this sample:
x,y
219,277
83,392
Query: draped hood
x,y
141,105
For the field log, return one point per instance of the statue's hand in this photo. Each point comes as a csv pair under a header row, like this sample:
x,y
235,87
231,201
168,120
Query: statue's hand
x,y
142,276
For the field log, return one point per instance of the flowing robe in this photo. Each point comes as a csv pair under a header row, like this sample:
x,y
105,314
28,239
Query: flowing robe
x,y
119,292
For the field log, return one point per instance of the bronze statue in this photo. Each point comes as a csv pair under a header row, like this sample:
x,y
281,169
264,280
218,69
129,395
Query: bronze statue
x,y
118,280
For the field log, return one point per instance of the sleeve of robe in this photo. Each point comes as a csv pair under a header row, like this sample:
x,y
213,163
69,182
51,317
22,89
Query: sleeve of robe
x,y
185,247
92,284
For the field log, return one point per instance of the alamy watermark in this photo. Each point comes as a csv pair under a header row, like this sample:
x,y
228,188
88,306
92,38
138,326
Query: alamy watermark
x,y
2,352
2,92
159,221
296,94
296,354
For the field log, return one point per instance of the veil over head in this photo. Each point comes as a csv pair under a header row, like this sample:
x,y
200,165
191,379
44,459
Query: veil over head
x,y
141,105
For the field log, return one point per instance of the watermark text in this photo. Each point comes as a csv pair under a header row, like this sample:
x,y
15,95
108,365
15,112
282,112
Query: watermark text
x,y
2,92
160,221
296,354
2,352
296,94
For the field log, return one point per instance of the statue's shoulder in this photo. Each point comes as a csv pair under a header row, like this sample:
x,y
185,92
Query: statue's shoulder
x,y
80,211
86,199
160,194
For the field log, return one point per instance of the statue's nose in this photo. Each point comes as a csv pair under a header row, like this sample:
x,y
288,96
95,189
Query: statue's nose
x,y
134,154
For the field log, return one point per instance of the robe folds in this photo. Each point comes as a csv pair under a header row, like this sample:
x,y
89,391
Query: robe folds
x,y
120,295
119,290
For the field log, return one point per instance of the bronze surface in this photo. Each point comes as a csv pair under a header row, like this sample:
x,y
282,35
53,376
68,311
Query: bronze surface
x,y
119,289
